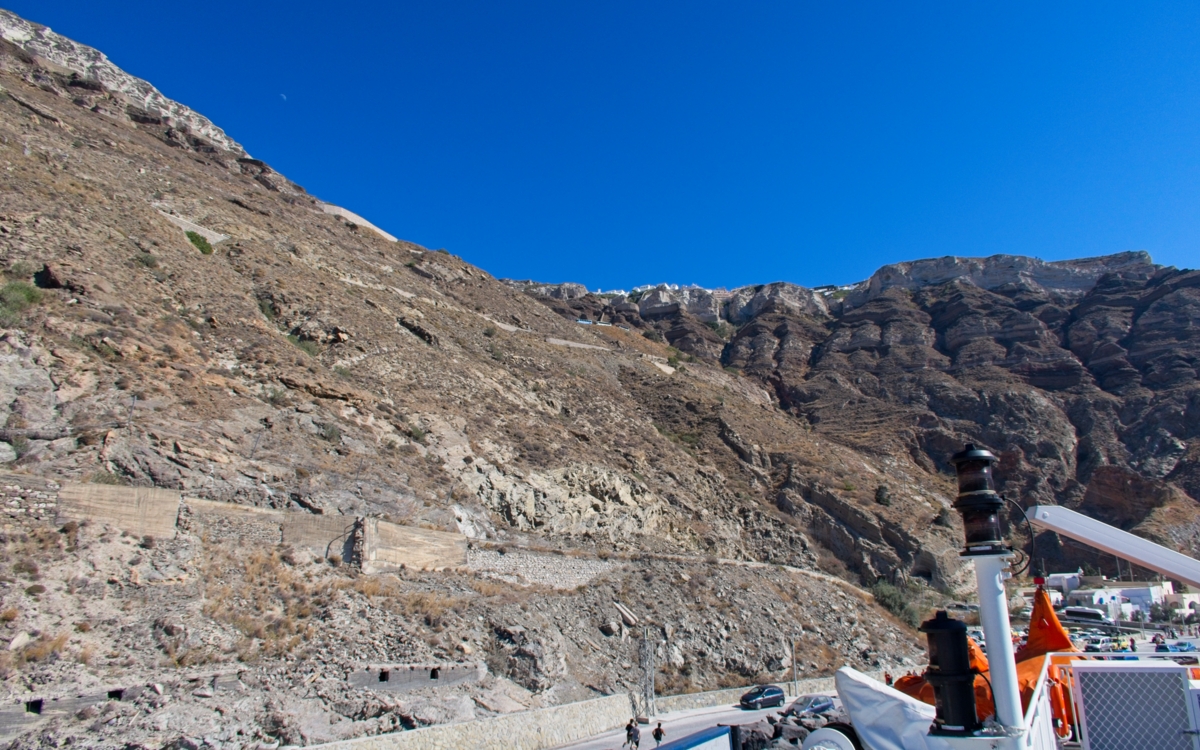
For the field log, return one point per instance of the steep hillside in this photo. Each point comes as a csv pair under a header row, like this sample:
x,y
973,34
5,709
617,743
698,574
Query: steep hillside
x,y
1081,375
284,355
179,315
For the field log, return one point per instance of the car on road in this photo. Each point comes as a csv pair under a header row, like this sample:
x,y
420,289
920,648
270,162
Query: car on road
x,y
1166,648
1185,646
763,696
813,705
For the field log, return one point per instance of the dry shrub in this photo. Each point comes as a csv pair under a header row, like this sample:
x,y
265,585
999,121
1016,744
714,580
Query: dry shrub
x,y
431,606
44,647
368,586
261,597
10,614
83,627
86,654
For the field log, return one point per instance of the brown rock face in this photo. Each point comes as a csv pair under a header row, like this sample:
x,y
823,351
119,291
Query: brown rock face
x,y
1082,375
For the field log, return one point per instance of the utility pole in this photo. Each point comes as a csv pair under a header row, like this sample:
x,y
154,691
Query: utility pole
x,y
795,677
129,419
646,659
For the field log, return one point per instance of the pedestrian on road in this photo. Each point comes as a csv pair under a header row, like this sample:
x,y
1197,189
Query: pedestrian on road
x,y
658,734
635,738
629,733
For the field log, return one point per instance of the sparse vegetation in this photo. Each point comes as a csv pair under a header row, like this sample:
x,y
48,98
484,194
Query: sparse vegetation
x,y
342,372
883,495
15,298
310,348
146,259
201,244
21,270
417,434
105,477
898,601
331,433
267,308
490,331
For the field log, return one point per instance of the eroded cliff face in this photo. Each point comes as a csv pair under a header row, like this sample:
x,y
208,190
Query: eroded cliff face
x,y
1073,372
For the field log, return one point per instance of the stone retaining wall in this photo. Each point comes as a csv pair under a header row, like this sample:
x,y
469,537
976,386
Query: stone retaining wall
x,y
28,499
249,525
538,729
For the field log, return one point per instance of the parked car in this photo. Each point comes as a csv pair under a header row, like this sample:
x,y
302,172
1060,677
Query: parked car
x,y
1185,646
1166,648
763,696
813,704
1099,643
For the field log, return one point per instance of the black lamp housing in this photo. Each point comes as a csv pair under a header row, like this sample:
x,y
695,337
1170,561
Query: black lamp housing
x,y
951,676
978,502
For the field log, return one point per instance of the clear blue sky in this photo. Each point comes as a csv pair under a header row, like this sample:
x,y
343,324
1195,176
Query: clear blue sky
x,y
622,143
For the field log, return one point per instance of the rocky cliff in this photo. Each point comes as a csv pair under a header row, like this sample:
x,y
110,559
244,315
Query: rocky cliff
x,y
714,463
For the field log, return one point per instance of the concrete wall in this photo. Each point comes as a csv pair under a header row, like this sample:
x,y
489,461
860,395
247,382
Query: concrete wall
x,y
155,512
388,546
402,677
730,696
538,729
321,535
143,511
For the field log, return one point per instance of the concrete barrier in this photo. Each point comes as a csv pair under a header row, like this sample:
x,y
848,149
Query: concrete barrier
x,y
143,511
388,546
539,729
401,677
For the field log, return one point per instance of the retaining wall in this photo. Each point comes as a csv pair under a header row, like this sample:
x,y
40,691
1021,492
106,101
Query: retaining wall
x,y
731,696
143,511
538,729
153,512
247,524
388,546
322,535
402,677
28,499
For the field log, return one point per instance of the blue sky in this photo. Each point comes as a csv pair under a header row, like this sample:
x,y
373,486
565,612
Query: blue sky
x,y
623,143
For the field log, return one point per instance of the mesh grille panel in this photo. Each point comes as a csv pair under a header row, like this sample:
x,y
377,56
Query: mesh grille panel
x,y
1126,710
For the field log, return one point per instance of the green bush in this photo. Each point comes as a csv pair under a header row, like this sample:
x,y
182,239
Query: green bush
x,y
147,260
310,348
331,433
200,243
15,298
897,601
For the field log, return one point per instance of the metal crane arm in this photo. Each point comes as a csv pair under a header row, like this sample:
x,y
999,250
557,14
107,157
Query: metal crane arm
x,y
1116,542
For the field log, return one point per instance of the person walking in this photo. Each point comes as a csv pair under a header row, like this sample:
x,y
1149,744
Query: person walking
x,y
635,738
629,733
658,734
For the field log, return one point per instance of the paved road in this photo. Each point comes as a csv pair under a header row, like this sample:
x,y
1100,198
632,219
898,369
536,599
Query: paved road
x,y
678,724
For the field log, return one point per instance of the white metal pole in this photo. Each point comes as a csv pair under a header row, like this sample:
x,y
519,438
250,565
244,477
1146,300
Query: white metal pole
x,y
993,613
